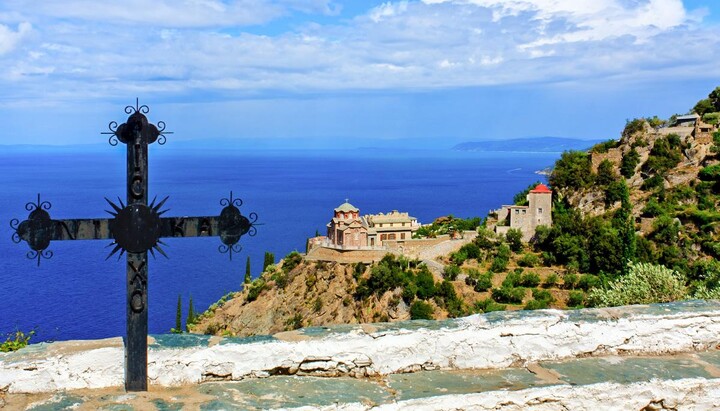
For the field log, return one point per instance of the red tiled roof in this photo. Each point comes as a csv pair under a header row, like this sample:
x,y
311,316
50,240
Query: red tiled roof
x,y
541,188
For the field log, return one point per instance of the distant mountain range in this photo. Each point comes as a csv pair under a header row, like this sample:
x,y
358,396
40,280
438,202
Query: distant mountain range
x,y
530,144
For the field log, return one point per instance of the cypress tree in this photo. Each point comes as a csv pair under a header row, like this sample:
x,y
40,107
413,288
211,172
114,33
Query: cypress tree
x,y
191,314
269,259
248,278
178,316
627,227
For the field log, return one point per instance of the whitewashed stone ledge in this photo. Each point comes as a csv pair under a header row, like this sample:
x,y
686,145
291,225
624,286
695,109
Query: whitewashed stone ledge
x,y
491,341
684,394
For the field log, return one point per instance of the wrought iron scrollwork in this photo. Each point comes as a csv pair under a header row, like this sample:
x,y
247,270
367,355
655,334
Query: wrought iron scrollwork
x,y
14,223
39,254
230,249
113,140
39,205
226,202
137,109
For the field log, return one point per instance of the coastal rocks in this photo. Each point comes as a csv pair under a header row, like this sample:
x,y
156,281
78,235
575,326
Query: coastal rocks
x,y
490,341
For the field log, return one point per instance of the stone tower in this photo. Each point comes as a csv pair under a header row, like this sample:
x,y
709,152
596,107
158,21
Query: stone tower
x,y
539,207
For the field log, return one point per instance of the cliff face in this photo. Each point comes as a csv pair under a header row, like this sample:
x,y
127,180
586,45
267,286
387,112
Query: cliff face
x,y
309,294
695,154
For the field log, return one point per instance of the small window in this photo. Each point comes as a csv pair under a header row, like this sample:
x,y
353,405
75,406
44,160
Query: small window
x,y
517,211
402,235
524,211
540,210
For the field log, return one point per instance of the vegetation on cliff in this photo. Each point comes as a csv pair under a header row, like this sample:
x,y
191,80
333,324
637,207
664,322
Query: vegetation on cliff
x,y
635,220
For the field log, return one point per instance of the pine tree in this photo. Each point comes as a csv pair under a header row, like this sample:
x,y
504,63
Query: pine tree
x,y
178,317
269,259
248,278
191,315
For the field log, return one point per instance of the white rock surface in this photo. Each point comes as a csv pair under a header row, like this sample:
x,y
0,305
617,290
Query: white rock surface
x,y
469,343
685,394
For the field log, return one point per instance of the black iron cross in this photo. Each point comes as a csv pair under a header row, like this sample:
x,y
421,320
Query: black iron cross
x,y
135,229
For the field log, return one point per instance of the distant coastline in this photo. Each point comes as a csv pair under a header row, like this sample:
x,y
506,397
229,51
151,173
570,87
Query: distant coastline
x,y
527,144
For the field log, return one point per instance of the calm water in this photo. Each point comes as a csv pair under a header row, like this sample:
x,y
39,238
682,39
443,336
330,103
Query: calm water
x,y
77,294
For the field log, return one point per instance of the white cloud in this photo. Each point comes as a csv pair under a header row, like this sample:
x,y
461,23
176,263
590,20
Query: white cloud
x,y
193,46
9,38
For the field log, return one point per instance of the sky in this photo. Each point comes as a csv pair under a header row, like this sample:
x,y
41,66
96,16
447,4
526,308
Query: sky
x,y
352,72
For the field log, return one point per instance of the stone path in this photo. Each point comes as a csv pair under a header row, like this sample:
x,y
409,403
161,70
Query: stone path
x,y
588,383
429,255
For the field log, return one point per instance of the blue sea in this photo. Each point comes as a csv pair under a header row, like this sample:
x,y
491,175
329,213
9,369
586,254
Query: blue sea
x,y
77,294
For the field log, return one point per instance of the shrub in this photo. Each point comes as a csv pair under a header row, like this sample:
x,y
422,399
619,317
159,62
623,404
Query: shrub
x,y
633,127
588,281
420,310
644,284
484,282
550,281
512,279
605,173
529,260
471,250
514,239
711,118
575,299
294,322
508,295
536,305
543,295
570,281
710,173
291,261
16,341
572,170
425,284
256,287
629,162
487,305
451,272
530,280
604,146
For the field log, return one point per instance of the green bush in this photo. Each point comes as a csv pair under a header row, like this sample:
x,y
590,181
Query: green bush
x,y
536,305
550,281
529,260
604,146
711,118
16,341
629,162
543,295
425,284
512,279
710,173
451,272
530,280
508,295
576,299
572,171
633,126
484,282
291,261
570,281
514,239
256,287
605,173
487,305
420,310
644,284
588,281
